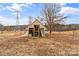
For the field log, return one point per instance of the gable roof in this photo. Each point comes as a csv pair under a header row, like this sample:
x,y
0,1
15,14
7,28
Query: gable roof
x,y
36,21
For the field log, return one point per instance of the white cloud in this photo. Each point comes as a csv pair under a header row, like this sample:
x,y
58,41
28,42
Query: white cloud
x,y
18,6
62,4
69,10
12,21
2,18
15,7
1,8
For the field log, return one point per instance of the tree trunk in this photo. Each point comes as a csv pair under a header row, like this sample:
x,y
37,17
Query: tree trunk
x,y
50,31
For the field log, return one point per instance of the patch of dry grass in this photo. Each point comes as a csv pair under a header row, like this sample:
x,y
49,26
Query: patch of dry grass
x,y
61,43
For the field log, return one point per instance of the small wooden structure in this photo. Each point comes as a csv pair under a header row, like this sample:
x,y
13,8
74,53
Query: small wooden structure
x,y
36,29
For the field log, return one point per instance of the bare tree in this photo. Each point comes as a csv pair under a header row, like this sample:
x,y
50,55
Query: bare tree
x,y
51,14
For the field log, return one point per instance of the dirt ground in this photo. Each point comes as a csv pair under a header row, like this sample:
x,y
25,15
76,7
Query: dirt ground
x,y
61,44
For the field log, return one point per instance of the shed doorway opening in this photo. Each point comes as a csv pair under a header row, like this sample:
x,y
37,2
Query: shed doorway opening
x,y
31,31
36,30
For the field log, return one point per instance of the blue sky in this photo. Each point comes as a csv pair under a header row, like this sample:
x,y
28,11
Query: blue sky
x,y
8,14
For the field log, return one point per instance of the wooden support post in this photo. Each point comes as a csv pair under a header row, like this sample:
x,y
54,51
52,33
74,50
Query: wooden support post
x,y
38,32
34,32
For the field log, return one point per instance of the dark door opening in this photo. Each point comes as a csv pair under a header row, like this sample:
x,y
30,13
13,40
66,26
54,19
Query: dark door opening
x,y
36,28
31,31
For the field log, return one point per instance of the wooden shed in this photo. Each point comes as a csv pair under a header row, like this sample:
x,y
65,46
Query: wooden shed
x,y
36,29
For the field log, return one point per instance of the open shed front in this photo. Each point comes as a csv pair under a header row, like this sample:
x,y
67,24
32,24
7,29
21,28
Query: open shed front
x,y
36,29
